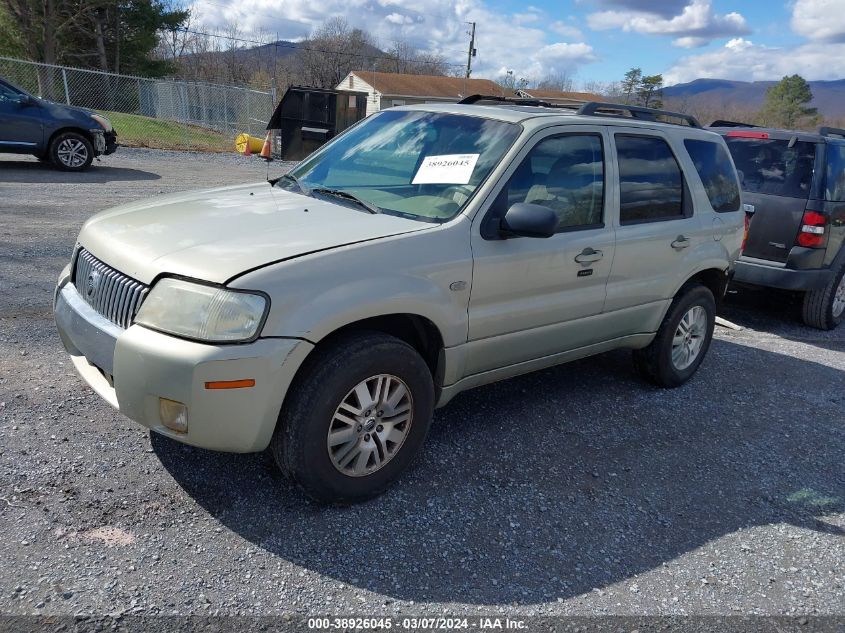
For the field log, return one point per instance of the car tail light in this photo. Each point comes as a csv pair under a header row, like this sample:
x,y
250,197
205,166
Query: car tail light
x,y
812,234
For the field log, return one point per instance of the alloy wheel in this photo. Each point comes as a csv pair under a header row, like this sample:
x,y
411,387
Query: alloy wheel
x,y
689,337
370,425
72,152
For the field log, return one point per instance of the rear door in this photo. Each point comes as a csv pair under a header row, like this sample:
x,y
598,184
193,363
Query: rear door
x,y
776,175
659,234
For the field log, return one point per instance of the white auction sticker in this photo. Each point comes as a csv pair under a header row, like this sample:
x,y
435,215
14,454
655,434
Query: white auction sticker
x,y
448,169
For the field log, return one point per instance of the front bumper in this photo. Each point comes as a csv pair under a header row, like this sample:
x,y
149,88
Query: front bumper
x,y
133,368
760,273
111,142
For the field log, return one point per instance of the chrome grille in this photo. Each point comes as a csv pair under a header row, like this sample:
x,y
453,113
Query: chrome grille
x,y
111,293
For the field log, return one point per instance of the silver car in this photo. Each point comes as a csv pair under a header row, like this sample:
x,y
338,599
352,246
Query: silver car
x,y
427,250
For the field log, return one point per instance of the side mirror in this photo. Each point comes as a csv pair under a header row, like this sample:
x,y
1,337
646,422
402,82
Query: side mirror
x,y
528,220
25,101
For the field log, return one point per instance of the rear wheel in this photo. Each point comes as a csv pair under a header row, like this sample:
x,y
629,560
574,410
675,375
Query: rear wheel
x,y
71,151
825,308
682,340
355,417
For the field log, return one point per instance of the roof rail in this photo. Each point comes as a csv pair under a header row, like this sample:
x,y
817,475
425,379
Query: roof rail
x,y
518,101
594,108
721,123
832,131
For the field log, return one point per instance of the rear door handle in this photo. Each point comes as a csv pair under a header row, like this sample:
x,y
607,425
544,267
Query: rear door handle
x,y
681,242
588,255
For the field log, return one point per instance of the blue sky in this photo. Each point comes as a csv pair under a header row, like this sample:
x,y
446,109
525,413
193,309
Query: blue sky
x,y
588,40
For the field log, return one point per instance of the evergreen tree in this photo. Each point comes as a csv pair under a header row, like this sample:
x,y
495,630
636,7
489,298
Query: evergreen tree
x,y
631,83
786,104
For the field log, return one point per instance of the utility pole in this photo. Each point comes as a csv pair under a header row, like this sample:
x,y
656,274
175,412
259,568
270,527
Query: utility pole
x,y
472,51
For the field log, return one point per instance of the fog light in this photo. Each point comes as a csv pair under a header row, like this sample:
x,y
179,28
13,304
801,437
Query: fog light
x,y
174,415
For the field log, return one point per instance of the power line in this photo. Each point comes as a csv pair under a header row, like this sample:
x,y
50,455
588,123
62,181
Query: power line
x,y
293,45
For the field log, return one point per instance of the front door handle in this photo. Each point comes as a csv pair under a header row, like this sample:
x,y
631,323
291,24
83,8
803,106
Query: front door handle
x,y
588,255
681,242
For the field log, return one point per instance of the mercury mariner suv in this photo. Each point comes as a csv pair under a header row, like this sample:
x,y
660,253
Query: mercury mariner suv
x,y
426,250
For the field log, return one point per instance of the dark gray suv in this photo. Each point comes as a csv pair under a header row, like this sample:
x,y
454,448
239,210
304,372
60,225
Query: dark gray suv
x,y
794,184
68,137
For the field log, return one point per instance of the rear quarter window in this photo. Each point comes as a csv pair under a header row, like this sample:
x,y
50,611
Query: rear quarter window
x,y
713,165
771,166
835,176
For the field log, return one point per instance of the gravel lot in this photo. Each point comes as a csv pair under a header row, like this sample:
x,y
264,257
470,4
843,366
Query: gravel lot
x,y
576,490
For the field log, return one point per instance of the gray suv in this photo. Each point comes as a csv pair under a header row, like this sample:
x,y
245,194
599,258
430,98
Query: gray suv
x,y
794,184
427,250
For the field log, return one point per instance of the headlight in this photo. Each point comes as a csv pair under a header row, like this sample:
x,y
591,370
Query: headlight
x,y
206,313
102,121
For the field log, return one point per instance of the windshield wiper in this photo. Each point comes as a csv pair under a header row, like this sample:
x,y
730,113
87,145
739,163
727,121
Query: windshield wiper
x,y
295,181
337,193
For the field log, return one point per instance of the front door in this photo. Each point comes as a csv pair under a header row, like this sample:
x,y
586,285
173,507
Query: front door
x,y
531,297
20,121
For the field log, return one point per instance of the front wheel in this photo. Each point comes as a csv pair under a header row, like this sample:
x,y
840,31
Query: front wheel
x,y
355,417
682,340
71,151
825,308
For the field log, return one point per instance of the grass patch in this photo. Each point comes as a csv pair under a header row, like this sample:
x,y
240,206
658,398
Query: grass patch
x,y
141,131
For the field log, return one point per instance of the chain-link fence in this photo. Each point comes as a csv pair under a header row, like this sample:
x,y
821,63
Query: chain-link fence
x,y
160,113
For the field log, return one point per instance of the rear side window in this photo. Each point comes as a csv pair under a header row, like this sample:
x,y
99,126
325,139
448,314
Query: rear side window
x,y
771,167
713,165
650,181
835,177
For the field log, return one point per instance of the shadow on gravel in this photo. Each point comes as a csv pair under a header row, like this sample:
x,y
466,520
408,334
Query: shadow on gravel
x,y
555,483
32,171
777,312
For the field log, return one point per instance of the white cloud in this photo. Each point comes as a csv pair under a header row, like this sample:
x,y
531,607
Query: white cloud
x,y
523,41
567,30
819,19
743,60
696,25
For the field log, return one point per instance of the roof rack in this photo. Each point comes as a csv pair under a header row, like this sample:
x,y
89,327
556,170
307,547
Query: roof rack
x,y
832,131
518,101
721,123
593,108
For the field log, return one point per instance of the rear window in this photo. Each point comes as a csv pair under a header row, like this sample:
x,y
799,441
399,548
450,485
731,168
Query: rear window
x,y
713,165
835,177
772,167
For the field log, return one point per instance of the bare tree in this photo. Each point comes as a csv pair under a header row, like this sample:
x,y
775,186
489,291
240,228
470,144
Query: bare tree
x,y
334,49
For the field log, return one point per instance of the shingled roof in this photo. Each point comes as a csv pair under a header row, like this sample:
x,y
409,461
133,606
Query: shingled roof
x,y
395,84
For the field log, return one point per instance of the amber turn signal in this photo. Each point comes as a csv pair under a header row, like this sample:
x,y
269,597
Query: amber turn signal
x,y
230,384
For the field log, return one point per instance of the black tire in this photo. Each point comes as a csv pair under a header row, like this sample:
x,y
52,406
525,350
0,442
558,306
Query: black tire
x,y
654,363
330,373
62,161
818,306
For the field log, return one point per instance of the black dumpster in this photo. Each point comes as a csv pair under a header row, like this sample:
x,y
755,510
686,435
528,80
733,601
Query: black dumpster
x,y
308,117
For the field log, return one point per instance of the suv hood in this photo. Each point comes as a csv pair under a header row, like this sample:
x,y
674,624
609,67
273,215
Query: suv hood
x,y
218,234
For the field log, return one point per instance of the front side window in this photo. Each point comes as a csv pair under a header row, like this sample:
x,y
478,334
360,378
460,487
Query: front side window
x,y
650,181
9,94
774,167
713,165
422,165
566,174
835,177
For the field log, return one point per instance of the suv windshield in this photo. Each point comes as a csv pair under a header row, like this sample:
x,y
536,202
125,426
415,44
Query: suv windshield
x,y
422,165
772,167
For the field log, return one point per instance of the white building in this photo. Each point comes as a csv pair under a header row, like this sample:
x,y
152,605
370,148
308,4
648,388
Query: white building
x,y
385,90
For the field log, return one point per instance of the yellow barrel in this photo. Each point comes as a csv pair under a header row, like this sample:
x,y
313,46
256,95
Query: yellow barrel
x,y
255,144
